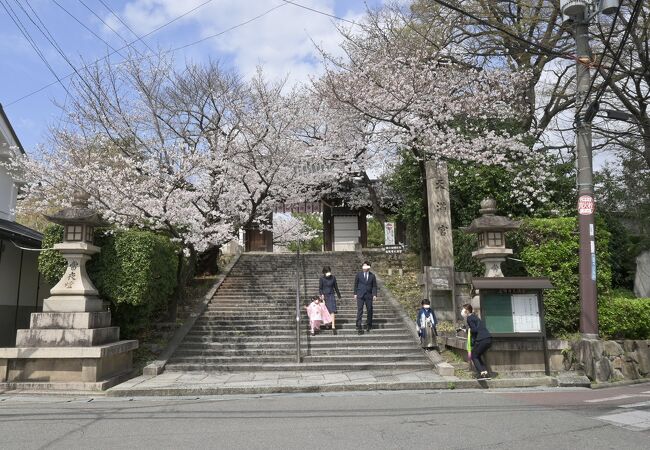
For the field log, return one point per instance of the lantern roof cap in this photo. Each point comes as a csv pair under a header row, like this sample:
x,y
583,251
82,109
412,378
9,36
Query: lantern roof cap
x,y
489,221
78,213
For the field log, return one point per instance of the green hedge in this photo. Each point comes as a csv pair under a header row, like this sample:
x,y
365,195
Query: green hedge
x,y
135,271
549,248
621,316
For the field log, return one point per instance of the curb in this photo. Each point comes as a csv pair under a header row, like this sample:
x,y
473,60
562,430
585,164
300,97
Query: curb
x,y
610,384
326,388
158,366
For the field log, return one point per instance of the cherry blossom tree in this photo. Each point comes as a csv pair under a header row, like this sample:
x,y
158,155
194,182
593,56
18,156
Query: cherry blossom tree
x,y
196,153
404,89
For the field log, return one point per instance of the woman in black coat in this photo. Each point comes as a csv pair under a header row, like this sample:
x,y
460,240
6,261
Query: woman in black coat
x,y
481,339
326,288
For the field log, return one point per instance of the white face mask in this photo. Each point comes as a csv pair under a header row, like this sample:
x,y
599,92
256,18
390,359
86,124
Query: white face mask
x,y
464,313
426,306
365,267
328,274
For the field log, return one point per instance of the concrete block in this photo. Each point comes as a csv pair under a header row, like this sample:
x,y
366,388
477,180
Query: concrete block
x,y
445,369
642,277
72,303
67,352
84,337
153,369
70,320
3,370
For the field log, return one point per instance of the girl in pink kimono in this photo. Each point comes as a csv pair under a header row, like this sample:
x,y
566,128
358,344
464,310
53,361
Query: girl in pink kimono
x,y
318,314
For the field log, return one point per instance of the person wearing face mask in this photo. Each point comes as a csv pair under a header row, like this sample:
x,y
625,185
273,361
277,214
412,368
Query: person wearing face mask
x,y
365,292
480,340
327,286
426,325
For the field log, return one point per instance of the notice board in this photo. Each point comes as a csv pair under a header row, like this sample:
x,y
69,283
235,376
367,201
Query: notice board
x,y
511,313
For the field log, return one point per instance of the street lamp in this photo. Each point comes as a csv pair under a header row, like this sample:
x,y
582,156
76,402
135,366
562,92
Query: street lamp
x,y
580,13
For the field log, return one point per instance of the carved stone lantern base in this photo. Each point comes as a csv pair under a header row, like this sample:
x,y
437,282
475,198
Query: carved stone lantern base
x,y
71,345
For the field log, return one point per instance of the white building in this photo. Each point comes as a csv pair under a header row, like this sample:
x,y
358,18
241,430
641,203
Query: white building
x,y
22,289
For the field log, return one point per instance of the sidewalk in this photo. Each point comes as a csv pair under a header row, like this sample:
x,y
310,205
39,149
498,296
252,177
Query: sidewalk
x,y
222,383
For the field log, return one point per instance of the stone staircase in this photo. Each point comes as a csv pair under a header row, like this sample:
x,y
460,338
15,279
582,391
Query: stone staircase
x,y
250,323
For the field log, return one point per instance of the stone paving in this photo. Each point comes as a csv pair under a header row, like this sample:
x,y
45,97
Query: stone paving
x,y
218,383
183,383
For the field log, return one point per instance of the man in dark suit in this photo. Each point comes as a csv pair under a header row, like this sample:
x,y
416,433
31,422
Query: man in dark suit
x,y
365,292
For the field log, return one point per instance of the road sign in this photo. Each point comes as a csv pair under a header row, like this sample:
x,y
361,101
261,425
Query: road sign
x,y
586,205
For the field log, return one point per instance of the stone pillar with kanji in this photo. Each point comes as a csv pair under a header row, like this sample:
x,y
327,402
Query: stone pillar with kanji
x,y
438,279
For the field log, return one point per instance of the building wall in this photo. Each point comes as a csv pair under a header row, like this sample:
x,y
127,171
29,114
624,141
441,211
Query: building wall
x,y
22,290
7,195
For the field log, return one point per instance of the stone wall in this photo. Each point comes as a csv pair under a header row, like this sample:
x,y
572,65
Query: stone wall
x,y
604,361
600,361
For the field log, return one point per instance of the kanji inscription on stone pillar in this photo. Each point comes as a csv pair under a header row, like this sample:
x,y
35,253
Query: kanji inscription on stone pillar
x,y
442,250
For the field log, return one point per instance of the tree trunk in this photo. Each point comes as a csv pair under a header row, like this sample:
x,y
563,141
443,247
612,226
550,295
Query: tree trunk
x,y
183,273
208,261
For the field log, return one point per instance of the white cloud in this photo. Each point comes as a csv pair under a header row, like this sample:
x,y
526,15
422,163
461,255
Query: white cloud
x,y
281,40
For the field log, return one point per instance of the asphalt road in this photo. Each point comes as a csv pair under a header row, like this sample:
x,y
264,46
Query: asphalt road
x,y
495,419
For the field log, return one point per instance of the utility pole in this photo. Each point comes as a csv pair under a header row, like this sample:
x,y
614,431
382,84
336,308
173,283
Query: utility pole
x,y
580,13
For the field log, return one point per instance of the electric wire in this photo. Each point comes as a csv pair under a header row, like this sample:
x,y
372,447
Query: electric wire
x,y
109,54
87,27
545,50
125,25
607,45
617,57
54,44
23,30
320,12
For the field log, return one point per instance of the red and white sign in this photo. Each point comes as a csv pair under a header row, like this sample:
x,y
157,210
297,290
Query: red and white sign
x,y
586,205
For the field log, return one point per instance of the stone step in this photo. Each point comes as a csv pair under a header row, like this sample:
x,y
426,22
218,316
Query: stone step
x,y
289,339
314,344
264,327
292,366
250,322
341,351
289,357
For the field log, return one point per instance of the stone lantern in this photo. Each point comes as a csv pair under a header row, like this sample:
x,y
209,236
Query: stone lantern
x,y
71,345
490,229
75,291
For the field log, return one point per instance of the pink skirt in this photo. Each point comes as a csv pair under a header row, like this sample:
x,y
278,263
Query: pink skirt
x,y
326,317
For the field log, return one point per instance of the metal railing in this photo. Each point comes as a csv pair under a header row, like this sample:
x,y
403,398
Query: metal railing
x,y
298,263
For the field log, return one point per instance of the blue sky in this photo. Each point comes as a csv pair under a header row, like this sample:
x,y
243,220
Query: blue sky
x,y
280,40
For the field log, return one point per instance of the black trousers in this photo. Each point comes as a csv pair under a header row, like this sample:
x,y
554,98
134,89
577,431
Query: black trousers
x,y
365,300
478,349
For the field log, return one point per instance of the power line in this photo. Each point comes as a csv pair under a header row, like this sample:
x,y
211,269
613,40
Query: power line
x,y
86,27
607,43
110,54
617,57
52,41
259,16
320,12
23,30
125,25
544,49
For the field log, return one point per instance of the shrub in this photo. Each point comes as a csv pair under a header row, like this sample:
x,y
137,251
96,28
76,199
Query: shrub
x,y
549,248
621,316
50,263
135,272
464,244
